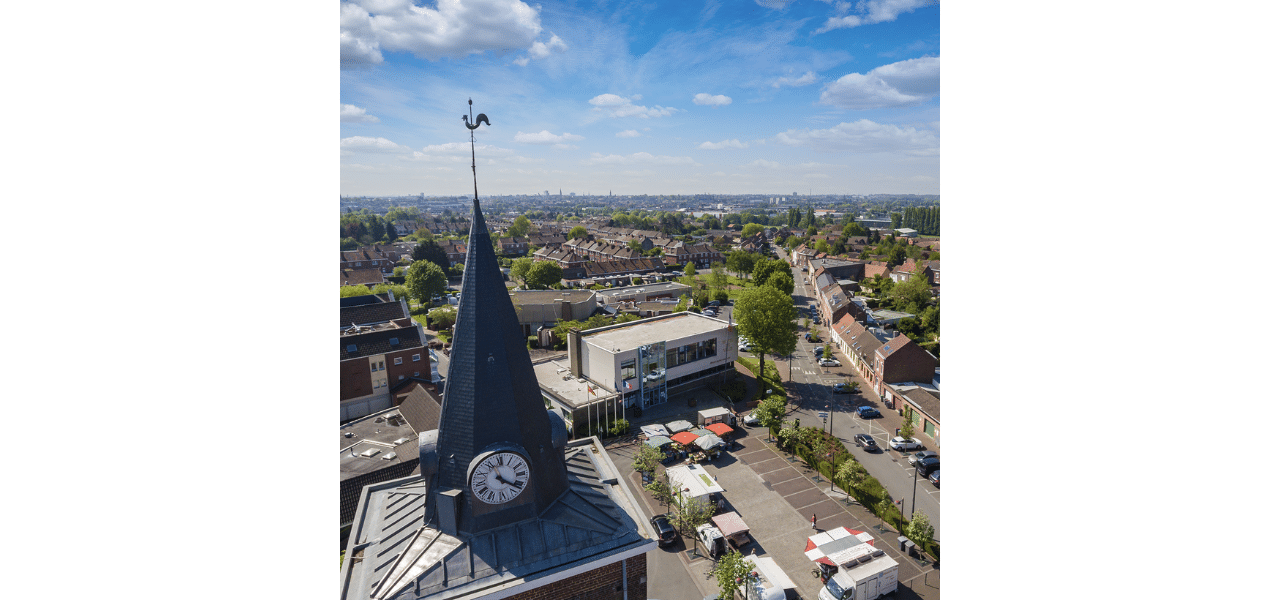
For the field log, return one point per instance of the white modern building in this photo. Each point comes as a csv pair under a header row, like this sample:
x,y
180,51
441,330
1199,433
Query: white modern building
x,y
644,360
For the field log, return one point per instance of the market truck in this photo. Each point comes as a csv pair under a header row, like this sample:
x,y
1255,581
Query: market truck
x,y
852,567
767,581
695,484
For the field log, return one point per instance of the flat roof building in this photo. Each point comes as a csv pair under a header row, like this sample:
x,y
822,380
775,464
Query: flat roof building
x,y
641,359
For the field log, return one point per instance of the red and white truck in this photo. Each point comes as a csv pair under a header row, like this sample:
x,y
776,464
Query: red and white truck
x,y
852,567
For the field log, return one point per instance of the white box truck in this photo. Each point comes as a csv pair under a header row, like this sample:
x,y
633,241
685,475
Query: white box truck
x,y
695,484
853,568
768,582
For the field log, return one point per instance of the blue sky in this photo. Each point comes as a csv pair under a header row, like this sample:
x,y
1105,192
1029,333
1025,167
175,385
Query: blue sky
x,y
764,96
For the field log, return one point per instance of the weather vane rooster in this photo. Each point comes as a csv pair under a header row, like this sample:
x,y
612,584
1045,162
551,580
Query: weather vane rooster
x,y
466,119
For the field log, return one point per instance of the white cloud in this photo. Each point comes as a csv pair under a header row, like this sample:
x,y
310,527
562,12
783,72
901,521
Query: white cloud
x,y
734,143
464,148
870,12
546,137
360,143
904,83
638,158
806,79
630,133
354,114
709,100
864,137
451,29
617,106
761,163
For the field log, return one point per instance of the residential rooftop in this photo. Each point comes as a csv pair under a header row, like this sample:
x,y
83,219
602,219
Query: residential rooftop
x,y
373,441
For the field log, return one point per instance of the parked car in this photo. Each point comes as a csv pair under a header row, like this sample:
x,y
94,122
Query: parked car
x,y
866,441
714,303
914,458
935,477
809,337
828,362
817,350
709,313
868,412
751,419
666,533
843,388
904,445
927,466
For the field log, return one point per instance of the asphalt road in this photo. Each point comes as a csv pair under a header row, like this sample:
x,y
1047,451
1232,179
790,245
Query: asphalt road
x,y
814,390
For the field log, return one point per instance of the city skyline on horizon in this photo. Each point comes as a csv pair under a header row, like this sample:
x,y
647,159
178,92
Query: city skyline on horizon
x,y
764,98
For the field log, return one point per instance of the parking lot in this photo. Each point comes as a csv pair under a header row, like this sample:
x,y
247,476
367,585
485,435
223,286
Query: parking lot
x,y
776,495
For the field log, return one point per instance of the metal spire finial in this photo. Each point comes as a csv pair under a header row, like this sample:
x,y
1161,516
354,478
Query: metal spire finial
x,y
480,118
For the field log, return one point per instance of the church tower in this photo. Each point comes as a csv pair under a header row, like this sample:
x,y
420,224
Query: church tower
x,y
499,454
505,506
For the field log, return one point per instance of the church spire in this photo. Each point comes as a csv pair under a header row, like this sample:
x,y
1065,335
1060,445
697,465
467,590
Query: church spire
x,y
492,415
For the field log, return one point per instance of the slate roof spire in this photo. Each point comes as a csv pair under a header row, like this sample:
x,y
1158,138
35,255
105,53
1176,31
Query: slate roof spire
x,y
492,398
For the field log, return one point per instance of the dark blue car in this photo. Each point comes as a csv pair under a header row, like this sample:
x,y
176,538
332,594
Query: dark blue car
x,y
868,412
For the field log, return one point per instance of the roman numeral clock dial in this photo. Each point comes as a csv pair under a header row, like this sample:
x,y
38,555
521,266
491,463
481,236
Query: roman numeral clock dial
x,y
500,477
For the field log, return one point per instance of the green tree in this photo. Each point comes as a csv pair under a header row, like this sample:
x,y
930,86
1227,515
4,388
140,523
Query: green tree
x,y
578,232
826,352
662,490
634,245
376,229
355,290
646,459
752,229
682,304
741,262
783,281
919,530
721,295
850,472
884,507
811,231
520,270
793,242
443,318
426,280
689,514
350,243
822,246
690,270
765,267
896,220
391,231
520,227
717,279
764,317
543,274
908,429
771,410
911,295
428,250
731,573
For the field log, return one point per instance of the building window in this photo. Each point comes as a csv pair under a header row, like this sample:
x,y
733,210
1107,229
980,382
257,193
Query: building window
x,y
398,360
402,377
629,368
415,373
373,367
417,357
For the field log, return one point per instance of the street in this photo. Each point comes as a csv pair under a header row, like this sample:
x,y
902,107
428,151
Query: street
x,y
814,394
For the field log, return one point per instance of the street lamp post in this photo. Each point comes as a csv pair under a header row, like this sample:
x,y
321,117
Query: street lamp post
x,y
913,489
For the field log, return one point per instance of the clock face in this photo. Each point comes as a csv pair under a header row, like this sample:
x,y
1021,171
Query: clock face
x,y
500,477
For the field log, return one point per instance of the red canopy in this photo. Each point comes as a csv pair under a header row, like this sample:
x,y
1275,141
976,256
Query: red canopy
x,y
720,429
684,437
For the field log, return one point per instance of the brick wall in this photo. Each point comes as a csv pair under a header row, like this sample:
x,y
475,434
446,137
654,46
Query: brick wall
x,y
604,583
